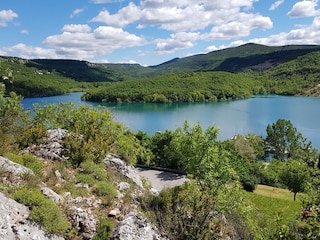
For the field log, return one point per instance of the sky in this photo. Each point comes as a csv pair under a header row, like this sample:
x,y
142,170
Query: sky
x,y
150,32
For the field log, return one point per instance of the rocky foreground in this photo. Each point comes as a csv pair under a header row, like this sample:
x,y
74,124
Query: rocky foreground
x,y
129,222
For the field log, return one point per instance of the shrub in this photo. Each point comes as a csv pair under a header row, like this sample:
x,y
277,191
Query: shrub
x,y
33,163
104,229
104,189
97,170
28,161
43,210
86,178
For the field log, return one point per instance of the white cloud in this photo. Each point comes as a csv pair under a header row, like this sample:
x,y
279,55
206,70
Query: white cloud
x,y
177,16
86,45
242,27
76,12
76,28
125,16
303,35
304,8
276,5
26,51
177,41
7,16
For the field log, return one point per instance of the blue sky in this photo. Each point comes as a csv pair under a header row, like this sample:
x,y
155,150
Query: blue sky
x,y
150,32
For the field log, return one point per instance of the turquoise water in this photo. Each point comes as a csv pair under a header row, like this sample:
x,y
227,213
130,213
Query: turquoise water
x,y
231,117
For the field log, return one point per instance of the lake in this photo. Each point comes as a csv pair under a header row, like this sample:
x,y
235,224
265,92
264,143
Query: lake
x,y
231,117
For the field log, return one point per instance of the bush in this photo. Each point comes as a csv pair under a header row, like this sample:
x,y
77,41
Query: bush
x,y
248,185
104,229
104,189
43,210
86,178
28,161
97,170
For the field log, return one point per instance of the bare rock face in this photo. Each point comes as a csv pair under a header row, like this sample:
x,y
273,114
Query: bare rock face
x,y
120,166
14,172
14,168
52,148
136,228
14,223
83,221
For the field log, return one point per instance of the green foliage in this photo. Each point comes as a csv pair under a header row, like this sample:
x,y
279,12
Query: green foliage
x,y
43,210
182,87
92,133
104,229
86,179
29,161
269,173
163,150
104,189
284,141
30,134
191,212
96,170
32,81
10,115
295,175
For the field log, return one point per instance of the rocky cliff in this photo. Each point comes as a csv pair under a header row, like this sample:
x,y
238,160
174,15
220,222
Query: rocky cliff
x,y
83,211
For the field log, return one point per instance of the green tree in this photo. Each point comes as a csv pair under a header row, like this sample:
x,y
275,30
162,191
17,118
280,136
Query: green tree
x,y
284,141
201,156
296,176
10,118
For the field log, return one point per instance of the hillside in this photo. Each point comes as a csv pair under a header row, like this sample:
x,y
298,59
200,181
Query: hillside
x,y
28,81
45,77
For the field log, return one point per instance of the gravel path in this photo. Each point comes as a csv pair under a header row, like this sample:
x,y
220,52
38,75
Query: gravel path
x,y
161,179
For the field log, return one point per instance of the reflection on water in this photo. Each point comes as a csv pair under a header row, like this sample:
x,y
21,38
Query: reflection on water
x,y
231,117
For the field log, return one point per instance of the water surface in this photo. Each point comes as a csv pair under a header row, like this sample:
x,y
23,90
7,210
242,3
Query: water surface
x,y
231,117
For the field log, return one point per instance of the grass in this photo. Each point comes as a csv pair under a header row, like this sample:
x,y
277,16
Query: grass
x,y
274,206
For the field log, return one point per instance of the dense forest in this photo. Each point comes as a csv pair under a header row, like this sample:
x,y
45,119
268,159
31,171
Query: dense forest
x,y
231,193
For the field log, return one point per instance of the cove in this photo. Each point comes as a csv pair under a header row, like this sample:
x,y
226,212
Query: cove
x,y
230,117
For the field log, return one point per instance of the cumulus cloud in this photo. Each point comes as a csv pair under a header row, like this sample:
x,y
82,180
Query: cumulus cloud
x,y
276,5
177,41
84,28
303,35
125,16
304,8
26,51
7,16
83,44
245,24
177,16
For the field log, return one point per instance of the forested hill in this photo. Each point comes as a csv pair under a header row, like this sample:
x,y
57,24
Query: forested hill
x,y
248,56
45,77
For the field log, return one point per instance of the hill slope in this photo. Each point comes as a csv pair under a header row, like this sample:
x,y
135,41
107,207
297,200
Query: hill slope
x,y
44,77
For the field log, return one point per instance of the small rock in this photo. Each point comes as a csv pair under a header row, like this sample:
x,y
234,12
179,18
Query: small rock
x,y
52,195
114,213
123,186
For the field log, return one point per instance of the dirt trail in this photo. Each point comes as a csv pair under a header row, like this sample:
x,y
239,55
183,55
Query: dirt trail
x,y
161,179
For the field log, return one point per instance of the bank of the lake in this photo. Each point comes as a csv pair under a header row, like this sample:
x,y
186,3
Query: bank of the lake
x,y
231,117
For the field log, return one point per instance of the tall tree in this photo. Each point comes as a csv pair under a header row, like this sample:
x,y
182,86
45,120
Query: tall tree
x,y
10,114
284,141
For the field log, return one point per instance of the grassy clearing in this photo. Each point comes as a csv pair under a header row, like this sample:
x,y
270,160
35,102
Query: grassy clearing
x,y
274,207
